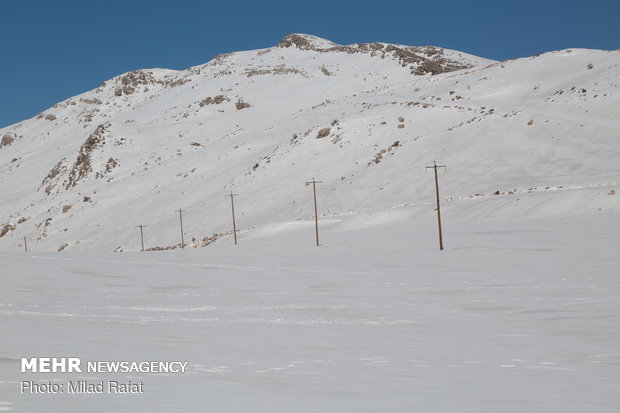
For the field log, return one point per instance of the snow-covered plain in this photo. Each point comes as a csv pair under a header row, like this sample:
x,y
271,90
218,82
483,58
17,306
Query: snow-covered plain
x,y
511,317
519,313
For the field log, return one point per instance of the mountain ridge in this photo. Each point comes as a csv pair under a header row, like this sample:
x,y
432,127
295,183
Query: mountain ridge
x,y
360,115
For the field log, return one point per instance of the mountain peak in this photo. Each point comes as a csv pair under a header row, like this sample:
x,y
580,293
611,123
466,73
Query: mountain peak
x,y
419,59
305,42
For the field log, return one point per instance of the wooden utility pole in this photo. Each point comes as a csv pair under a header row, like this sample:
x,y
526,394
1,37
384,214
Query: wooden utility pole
x,y
25,244
141,234
435,166
232,205
181,221
316,215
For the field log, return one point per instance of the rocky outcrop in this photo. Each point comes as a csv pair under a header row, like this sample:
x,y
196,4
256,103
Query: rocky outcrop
x,y
214,100
129,83
83,164
5,229
7,139
420,60
52,175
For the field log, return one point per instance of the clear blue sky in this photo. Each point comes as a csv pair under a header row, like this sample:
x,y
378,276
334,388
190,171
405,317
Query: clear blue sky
x,y
54,49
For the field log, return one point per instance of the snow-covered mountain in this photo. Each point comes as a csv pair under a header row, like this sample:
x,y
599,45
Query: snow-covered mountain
x,y
522,138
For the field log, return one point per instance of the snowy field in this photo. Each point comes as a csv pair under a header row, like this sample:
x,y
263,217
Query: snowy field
x,y
517,315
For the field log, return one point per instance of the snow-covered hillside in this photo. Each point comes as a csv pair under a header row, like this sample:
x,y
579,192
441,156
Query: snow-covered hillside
x,y
524,138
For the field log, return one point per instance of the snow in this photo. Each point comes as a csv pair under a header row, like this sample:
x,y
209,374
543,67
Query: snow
x,y
519,312
512,315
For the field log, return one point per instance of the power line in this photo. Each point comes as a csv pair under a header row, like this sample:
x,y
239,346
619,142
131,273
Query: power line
x,y
316,215
232,205
141,235
435,166
181,221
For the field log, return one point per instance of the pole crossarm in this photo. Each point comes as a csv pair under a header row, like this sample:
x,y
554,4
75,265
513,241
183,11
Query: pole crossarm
x,y
438,166
313,182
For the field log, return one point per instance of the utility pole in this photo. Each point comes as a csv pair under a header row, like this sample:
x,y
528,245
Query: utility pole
x,y
316,215
181,221
435,166
232,205
141,234
25,244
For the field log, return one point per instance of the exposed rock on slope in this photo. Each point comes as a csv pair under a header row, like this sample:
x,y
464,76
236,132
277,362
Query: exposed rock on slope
x,y
420,60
